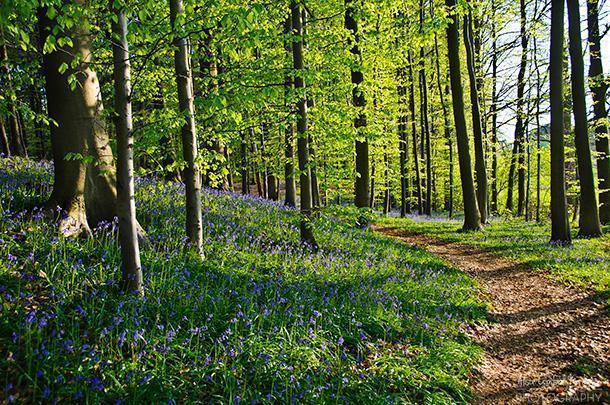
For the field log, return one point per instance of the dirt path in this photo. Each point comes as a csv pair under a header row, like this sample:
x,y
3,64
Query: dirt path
x,y
546,342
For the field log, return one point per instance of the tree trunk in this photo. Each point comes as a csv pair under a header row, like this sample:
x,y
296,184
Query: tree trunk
x,y
245,184
479,152
518,158
289,175
424,111
84,188
418,188
315,186
472,217
192,176
589,210
446,127
362,146
403,144
16,141
599,89
126,206
6,149
372,196
494,114
538,100
307,236
560,233
386,194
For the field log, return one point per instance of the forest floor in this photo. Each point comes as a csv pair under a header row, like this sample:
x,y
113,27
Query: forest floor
x,y
547,341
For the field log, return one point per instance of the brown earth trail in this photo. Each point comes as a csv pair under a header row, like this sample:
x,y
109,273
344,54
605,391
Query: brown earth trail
x,y
546,342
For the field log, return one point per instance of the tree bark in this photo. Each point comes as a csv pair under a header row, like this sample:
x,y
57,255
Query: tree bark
x,y
403,144
16,141
560,232
6,149
126,207
192,176
479,154
446,127
289,175
84,188
589,210
243,145
518,158
418,187
362,146
599,89
307,235
494,114
424,111
472,217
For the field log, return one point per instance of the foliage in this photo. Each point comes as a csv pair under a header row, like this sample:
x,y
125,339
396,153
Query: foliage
x,y
367,319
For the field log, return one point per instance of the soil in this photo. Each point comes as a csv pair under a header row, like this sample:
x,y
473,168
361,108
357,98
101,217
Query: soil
x,y
546,341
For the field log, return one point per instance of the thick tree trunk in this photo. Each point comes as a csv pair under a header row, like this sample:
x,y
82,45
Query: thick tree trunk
x,y
85,190
472,217
126,206
479,151
560,233
599,89
192,176
307,236
362,146
418,187
289,175
589,211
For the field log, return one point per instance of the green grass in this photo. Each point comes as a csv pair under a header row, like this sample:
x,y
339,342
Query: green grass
x,y
259,319
586,263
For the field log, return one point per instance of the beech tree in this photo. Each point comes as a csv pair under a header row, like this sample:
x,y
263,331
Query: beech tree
x,y
307,235
589,211
84,183
126,206
192,175
599,90
472,217
560,224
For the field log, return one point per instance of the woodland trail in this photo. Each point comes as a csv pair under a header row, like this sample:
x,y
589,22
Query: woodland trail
x,y
546,342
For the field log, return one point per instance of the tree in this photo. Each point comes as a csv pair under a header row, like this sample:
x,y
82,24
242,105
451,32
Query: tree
x,y
560,224
472,218
479,154
16,142
126,207
302,140
184,80
599,89
358,100
289,173
589,210
84,181
418,187
518,159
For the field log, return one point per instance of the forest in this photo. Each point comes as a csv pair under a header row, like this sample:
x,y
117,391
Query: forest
x,y
304,201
